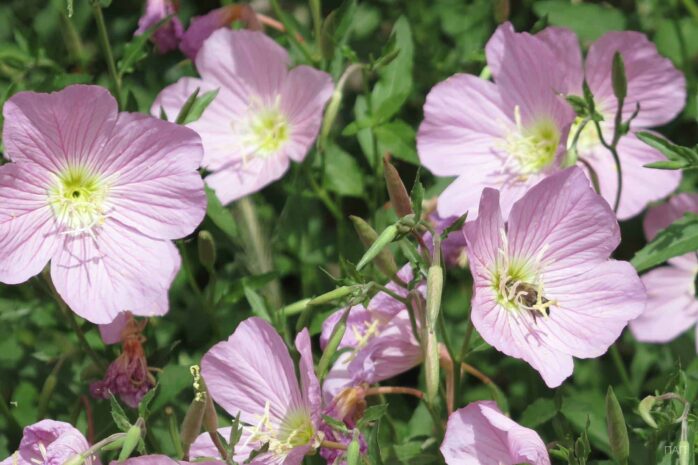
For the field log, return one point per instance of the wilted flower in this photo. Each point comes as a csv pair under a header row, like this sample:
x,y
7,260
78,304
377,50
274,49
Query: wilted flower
x,y
252,374
201,27
545,289
263,116
100,194
672,307
128,376
168,35
480,434
653,83
506,135
49,442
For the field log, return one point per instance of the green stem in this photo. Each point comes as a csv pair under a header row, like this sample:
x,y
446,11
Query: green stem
x,y
620,366
106,48
324,197
291,31
692,8
296,307
316,10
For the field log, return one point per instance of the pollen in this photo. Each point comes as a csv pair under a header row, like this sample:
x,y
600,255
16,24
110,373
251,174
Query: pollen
x,y
532,147
78,198
264,131
295,429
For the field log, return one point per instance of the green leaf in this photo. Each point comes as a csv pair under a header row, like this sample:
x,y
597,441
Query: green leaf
x,y
679,157
395,82
679,238
374,451
372,414
134,51
173,380
199,106
539,412
617,429
342,173
257,304
144,405
589,20
220,215
117,413
398,139
335,28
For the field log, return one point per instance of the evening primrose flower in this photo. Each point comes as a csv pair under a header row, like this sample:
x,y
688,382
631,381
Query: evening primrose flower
x,y
163,460
672,307
167,36
480,434
506,135
263,116
653,83
252,374
101,195
49,442
545,289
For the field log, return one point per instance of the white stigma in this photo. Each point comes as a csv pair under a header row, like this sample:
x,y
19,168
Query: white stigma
x,y
263,131
531,148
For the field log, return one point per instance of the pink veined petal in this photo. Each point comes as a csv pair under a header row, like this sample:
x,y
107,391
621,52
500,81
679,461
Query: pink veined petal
x,y
48,441
203,446
247,63
246,177
151,169
358,320
304,94
167,36
484,235
565,223
525,445
117,270
248,370
310,386
111,332
640,185
27,223
653,81
162,460
171,99
62,127
661,216
565,45
471,439
593,308
671,306
337,378
464,121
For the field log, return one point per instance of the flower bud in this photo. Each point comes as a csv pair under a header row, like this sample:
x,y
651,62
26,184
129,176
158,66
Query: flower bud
x,y
191,425
645,409
396,190
435,283
133,437
333,344
385,238
75,460
207,250
354,450
618,79
385,260
431,365
684,452
333,295
617,430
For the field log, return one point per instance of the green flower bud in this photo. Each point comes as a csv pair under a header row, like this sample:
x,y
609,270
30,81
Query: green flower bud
x,y
617,430
75,460
354,450
645,409
133,437
207,250
385,260
385,238
618,79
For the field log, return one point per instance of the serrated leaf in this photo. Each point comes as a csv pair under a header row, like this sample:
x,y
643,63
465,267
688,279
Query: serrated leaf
x,y
144,405
679,238
117,413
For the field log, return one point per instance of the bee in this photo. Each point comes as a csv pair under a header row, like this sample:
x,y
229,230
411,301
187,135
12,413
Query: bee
x,y
529,298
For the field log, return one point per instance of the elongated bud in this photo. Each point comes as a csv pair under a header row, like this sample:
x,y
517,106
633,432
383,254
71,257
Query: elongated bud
x,y
645,409
133,437
46,393
330,115
385,238
173,429
332,345
75,460
618,79
431,364
210,417
385,260
684,452
207,250
193,420
396,190
118,444
354,450
333,295
617,430
435,284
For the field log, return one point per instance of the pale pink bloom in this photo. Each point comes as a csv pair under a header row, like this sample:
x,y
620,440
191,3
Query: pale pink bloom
x,y
506,135
380,338
112,333
167,36
672,307
480,434
49,442
263,117
201,27
101,195
653,83
453,248
545,289
252,374
163,460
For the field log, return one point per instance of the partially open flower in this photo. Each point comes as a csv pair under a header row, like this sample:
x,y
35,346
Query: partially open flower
x,y
49,442
128,376
167,36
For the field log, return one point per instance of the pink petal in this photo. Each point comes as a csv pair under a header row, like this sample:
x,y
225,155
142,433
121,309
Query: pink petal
x,y
47,442
117,270
310,386
566,222
251,368
27,224
484,235
653,81
661,216
163,460
171,99
640,185
203,446
54,129
111,332
244,178
671,306
304,94
337,378
248,63
568,55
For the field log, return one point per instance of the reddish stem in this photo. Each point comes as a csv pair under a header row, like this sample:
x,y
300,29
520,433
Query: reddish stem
x,y
375,391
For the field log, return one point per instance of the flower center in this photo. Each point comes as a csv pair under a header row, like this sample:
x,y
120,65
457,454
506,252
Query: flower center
x,y
296,429
532,148
78,200
264,131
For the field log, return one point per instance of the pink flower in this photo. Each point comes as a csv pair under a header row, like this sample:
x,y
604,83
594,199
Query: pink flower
x,y
653,83
453,248
380,338
252,374
128,376
480,434
163,460
49,442
545,289
507,135
167,37
263,116
201,27
101,195
112,333
672,307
